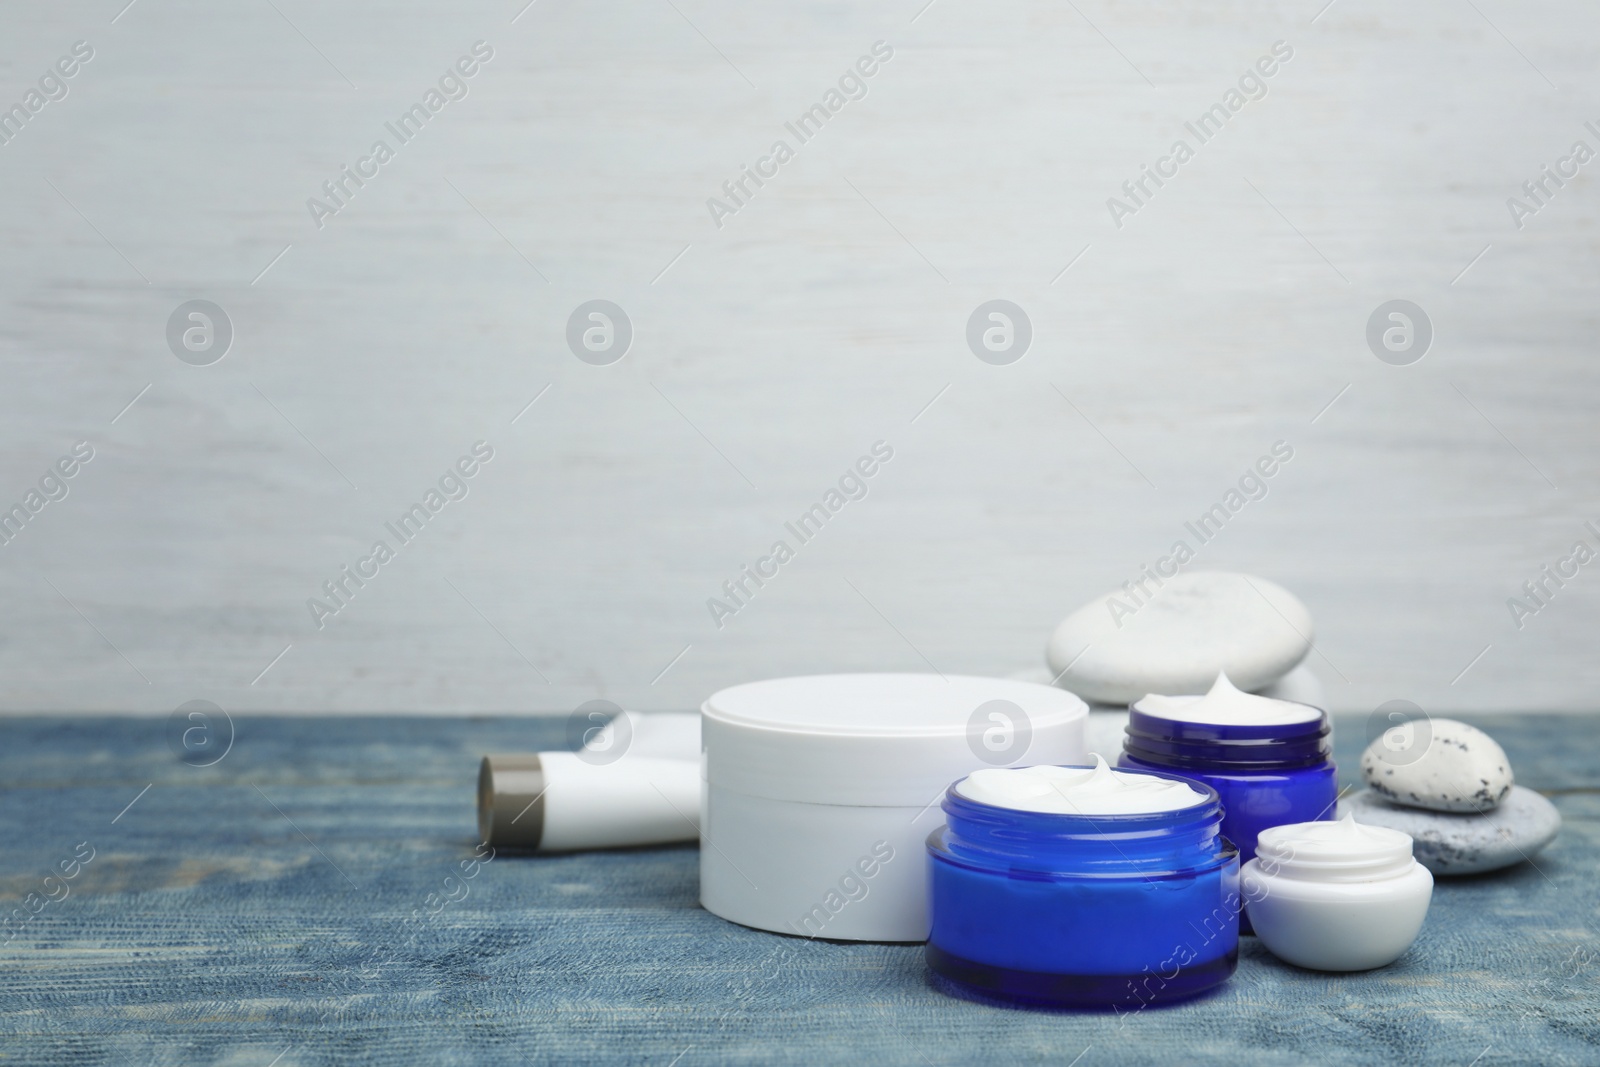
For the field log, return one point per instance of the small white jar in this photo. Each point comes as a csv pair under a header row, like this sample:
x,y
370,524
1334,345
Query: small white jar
x,y
820,791
1335,896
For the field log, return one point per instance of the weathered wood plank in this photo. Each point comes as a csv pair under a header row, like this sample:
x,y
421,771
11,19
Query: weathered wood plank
x,y
260,907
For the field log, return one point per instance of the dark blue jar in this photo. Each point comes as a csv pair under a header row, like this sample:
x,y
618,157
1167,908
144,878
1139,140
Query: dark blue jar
x,y
1107,911
1266,775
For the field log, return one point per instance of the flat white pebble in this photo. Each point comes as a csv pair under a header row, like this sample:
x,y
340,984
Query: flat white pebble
x,y
1121,647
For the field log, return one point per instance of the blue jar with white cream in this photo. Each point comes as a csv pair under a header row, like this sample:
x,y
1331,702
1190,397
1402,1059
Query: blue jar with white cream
x,y
1269,760
1085,887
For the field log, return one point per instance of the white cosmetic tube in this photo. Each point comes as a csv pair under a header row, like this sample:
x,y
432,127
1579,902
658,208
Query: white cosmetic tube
x,y
647,794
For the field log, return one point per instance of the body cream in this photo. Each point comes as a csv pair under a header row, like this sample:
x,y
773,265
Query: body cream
x,y
1336,896
1096,790
1082,886
1267,759
648,793
819,791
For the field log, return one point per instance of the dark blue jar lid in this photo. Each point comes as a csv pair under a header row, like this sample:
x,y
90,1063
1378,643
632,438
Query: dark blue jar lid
x,y
1209,746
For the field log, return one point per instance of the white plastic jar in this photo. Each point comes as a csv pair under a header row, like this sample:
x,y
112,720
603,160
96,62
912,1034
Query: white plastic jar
x,y
820,791
1336,896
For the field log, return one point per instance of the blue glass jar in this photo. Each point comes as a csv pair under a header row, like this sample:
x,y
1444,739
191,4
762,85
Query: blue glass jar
x,y
1107,911
1266,775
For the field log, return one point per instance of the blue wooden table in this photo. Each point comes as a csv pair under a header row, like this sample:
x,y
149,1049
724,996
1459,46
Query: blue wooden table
x,y
314,897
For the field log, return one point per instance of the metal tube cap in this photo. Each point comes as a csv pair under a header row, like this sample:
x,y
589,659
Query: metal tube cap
x,y
511,801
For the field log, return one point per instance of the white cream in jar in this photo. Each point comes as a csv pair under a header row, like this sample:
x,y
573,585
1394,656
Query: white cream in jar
x,y
1336,896
1096,790
1224,704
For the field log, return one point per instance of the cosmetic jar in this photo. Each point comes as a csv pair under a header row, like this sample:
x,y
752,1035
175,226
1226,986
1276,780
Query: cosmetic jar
x,y
819,791
1267,759
1091,899
1336,896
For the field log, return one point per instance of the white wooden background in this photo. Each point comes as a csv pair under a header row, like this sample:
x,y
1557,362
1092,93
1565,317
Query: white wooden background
x,y
771,353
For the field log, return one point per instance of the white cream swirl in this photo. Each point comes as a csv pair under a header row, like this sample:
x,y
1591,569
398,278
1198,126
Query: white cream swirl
x,y
1343,851
1226,705
1077,790
1331,840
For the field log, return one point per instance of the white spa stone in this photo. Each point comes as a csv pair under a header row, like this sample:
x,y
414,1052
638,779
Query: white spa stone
x,y
1121,646
1450,843
1300,685
1096,790
1438,765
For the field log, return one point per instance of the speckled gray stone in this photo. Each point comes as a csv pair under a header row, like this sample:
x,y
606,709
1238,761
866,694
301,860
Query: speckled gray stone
x,y
1463,843
1438,764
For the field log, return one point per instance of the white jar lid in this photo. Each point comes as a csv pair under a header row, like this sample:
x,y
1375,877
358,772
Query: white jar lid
x,y
881,739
